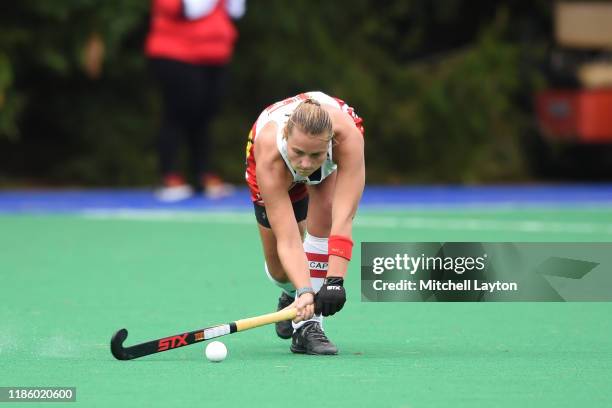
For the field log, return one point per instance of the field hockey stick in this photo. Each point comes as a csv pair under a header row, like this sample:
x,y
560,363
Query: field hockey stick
x,y
196,336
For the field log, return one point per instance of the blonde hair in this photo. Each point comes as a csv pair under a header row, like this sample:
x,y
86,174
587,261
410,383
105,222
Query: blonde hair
x,y
310,118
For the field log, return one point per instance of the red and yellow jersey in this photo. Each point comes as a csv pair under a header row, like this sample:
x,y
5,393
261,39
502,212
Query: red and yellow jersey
x,y
279,113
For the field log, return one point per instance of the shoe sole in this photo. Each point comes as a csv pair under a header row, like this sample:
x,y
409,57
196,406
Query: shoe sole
x,y
304,351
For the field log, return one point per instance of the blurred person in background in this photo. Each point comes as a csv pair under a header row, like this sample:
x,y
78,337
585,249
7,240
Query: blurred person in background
x,y
190,44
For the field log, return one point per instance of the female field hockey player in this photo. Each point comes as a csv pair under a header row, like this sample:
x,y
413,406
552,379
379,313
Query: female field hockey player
x,y
306,174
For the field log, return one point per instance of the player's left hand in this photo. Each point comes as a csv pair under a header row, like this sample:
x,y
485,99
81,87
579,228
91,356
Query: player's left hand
x,y
304,306
331,297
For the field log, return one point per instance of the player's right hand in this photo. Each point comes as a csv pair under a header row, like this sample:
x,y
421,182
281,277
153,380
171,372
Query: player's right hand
x,y
305,307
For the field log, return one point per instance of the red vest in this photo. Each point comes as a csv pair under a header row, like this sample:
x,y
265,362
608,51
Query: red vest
x,y
207,40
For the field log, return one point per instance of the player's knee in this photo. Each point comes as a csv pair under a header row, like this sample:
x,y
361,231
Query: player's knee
x,y
323,218
325,207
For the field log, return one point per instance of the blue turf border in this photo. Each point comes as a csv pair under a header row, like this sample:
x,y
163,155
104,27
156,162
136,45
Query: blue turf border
x,y
75,200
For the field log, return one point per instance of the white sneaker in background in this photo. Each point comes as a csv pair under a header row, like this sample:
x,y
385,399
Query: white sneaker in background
x,y
173,189
214,187
173,194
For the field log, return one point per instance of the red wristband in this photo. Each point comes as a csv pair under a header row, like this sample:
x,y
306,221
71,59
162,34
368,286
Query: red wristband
x,y
340,246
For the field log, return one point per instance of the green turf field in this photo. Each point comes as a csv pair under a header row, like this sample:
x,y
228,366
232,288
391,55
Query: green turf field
x,y
68,282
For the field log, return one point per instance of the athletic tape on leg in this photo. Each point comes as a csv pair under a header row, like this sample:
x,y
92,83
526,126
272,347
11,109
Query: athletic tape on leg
x,y
316,252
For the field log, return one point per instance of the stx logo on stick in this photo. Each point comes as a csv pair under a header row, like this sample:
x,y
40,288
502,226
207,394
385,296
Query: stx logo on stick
x,y
172,342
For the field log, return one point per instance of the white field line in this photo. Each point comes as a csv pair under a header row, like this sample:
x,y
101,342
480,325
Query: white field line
x,y
365,221
213,217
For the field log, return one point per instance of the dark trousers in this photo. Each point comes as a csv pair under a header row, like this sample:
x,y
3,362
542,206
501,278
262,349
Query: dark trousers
x,y
191,96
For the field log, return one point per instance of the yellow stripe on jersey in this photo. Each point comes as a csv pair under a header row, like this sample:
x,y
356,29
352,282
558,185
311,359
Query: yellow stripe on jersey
x,y
249,145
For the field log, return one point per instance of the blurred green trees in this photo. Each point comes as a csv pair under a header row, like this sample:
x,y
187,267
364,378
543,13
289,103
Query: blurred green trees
x,y
443,86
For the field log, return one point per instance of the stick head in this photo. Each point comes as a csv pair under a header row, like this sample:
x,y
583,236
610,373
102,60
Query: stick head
x,y
117,345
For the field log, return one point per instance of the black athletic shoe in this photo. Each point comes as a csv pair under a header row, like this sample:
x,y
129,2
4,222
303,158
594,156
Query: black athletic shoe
x,y
310,339
284,329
